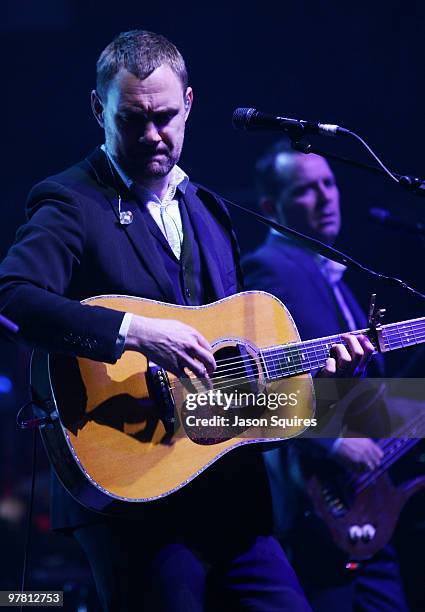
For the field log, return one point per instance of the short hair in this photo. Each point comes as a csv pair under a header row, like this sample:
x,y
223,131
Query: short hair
x,y
140,52
268,180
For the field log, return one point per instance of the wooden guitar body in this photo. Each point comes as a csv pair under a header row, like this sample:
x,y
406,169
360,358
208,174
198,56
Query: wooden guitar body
x,y
107,438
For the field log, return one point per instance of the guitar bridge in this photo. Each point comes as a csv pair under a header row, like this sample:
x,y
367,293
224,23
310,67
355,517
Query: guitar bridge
x,y
160,392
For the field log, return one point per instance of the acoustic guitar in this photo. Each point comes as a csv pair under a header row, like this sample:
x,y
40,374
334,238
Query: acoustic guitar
x,y
122,434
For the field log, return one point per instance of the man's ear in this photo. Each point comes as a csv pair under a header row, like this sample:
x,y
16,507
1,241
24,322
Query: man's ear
x,y
97,107
268,207
188,100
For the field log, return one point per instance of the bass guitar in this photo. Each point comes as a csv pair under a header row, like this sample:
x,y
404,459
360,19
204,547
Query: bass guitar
x,y
361,510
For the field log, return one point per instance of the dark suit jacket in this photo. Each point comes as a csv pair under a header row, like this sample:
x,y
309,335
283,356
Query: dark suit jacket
x,y
291,273
73,247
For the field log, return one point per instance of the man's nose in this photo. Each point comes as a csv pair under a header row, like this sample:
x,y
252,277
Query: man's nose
x,y
324,193
150,134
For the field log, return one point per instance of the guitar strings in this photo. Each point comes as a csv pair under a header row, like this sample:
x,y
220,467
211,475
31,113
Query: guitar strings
x,y
289,352
320,345
280,370
294,349
241,362
380,470
392,446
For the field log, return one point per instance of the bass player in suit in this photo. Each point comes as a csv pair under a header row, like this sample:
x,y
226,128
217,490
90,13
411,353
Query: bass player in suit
x,y
127,220
301,191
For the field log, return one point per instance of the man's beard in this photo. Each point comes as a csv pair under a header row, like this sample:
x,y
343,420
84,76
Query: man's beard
x,y
151,169
158,170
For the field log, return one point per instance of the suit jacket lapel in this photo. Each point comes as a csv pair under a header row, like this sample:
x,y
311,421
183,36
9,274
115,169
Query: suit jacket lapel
x,y
358,315
205,230
138,231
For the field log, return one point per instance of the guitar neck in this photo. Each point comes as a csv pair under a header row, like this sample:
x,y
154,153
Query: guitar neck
x,y
394,448
404,439
300,357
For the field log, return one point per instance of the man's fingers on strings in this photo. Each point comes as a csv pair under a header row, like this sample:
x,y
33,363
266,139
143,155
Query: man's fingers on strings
x,y
342,358
368,350
205,356
196,367
329,368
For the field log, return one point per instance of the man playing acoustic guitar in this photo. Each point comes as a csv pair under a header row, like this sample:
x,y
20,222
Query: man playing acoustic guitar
x,y
128,221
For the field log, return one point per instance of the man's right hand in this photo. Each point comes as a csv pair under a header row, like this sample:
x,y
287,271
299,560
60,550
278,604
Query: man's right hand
x,y
361,453
171,344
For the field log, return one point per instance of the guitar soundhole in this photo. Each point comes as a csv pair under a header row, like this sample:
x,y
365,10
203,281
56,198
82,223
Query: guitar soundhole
x,y
221,413
237,369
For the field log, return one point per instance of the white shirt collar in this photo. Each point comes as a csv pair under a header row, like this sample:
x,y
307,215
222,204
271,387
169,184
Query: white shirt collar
x,y
178,179
331,270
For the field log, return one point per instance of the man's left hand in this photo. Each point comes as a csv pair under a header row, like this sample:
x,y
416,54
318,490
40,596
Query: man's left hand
x,y
350,360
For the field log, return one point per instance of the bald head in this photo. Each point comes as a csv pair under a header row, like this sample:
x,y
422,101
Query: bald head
x,y
301,192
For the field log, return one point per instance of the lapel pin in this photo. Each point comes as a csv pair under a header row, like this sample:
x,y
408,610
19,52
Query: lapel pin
x,y
126,216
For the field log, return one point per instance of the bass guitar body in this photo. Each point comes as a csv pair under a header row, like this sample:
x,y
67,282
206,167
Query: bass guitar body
x,y
364,524
118,435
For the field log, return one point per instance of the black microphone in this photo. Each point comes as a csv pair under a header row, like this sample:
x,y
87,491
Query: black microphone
x,y
252,119
381,216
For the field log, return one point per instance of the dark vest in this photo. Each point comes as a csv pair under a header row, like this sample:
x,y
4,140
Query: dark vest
x,y
189,276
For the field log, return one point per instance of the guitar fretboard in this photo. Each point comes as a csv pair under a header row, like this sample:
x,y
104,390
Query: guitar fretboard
x,y
394,448
401,335
299,357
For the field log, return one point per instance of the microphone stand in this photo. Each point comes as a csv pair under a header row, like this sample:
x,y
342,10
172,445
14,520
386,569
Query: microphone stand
x,y
8,325
413,184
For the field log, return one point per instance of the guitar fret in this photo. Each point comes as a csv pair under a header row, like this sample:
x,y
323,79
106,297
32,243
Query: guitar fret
x,y
264,362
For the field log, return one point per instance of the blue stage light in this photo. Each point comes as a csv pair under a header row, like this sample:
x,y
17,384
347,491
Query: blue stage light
x,y
5,384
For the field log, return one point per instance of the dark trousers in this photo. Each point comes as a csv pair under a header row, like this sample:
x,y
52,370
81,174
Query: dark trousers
x,y
135,570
